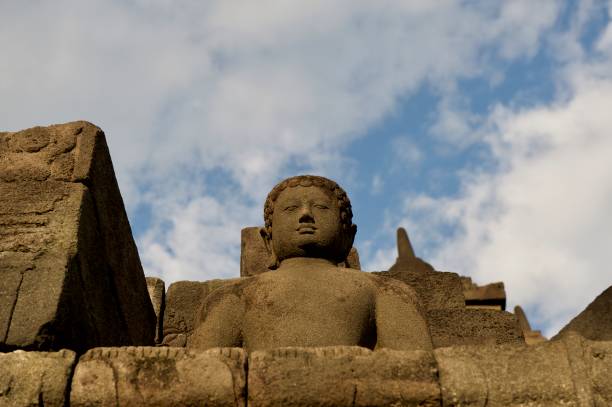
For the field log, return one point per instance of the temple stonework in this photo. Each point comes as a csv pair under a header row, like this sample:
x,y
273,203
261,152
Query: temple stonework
x,y
300,325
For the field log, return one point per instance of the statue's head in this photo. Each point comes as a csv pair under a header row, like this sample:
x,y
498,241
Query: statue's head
x,y
308,216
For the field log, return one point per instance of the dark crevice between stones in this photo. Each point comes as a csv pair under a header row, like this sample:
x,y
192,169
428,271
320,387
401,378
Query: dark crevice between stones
x,y
12,310
68,390
246,383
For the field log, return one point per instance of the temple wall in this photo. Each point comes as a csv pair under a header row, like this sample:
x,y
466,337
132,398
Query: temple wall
x,y
572,371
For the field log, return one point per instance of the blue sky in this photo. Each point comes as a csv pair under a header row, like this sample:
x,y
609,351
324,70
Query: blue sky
x,y
482,127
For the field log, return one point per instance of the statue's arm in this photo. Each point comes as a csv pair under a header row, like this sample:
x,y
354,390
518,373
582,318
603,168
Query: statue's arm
x,y
400,321
220,321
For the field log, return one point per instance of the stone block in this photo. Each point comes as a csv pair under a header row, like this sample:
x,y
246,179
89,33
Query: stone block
x,y
595,322
342,376
70,275
159,376
157,292
452,327
35,378
183,300
254,258
435,289
506,375
489,296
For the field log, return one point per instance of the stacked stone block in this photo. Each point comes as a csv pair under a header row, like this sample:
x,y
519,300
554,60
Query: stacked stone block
x,y
70,275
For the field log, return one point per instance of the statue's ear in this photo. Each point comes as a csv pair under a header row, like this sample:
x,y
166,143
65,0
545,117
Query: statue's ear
x,y
267,239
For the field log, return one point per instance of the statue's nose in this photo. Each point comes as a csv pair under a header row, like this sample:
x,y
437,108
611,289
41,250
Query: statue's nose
x,y
306,215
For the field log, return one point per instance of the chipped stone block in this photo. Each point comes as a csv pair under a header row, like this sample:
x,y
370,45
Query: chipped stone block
x,y
159,376
70,276
157,292
506,375
435,289
183,301
452,327
35,378
342,376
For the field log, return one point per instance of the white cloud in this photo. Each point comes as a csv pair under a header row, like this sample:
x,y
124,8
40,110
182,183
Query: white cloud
x,y
242,87
542,222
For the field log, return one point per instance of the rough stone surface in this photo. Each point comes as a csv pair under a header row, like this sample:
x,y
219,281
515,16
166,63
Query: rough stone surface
x,y
599,362
69,268
435,289
506,375
342,376
452,327
35,378
183,301
595,322
157,292
159,376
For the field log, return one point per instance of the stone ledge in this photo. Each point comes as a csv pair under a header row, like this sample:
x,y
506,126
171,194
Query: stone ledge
x,y
342,376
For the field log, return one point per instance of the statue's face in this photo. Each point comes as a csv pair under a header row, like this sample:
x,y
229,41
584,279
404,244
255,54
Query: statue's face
x,y
306,223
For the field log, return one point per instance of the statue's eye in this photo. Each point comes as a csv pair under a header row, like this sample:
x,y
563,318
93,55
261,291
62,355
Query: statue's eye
x,y
291,208
321,206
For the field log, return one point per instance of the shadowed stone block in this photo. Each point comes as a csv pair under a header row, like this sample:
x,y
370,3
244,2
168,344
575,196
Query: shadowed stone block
x,y
452,327
506,375
35,378
159,376
70,275
342,376
595,322
183,300
489,296
157,292
435,289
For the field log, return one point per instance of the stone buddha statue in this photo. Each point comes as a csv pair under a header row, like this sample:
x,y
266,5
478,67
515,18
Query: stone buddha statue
x,y
307,299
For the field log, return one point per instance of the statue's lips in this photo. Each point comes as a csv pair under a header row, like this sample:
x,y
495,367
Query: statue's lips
x,y
306,229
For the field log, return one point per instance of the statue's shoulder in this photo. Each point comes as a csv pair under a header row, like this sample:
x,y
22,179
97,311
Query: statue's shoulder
x,y
391,286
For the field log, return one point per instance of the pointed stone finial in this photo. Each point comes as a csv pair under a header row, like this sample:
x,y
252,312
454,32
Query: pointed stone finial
x,y
404,247
406,259
522,319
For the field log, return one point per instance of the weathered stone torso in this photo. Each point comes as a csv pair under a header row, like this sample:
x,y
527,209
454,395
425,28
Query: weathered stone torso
x,y
331,306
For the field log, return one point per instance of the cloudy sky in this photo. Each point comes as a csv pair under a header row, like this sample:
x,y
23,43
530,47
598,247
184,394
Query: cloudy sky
x,y
483,127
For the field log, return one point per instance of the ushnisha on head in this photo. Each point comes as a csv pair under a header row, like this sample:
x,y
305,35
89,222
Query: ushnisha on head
x,y
308,216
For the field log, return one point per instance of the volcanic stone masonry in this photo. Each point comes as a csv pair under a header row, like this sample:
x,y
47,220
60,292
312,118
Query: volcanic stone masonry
x,y
80,325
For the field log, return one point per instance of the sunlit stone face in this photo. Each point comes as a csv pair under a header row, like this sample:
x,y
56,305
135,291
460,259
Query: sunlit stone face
x,y
306,223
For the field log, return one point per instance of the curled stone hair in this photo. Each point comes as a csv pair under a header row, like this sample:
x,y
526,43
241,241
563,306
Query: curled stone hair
x,y
344,204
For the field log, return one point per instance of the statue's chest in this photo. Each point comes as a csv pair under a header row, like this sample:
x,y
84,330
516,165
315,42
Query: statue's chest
x,y
308,313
